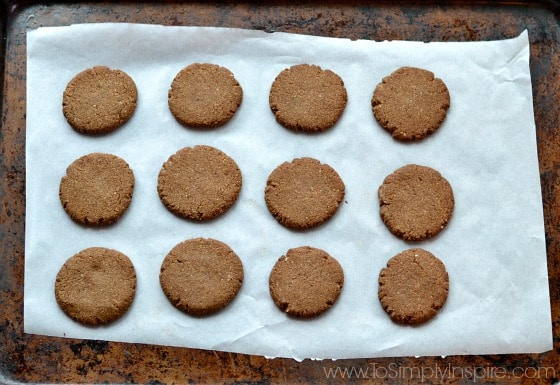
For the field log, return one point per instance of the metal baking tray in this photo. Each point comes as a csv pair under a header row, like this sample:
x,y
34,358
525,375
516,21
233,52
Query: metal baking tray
x,y
39,359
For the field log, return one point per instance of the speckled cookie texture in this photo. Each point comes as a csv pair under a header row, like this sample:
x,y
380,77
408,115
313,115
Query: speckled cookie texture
x,y
97,189
307,98
201,276
413,287
99,100
306,282
416,202
199,183
204,95
303,193
96,286
410,103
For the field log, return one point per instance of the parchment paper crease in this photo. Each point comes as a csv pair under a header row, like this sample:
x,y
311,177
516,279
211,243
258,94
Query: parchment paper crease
x,y
493,248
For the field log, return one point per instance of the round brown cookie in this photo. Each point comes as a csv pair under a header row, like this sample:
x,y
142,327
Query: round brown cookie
x,y
413,286
305,282
199,183
97,189
410,103
96,286
99,100
303,193
307,98
201,276
204,95
416,202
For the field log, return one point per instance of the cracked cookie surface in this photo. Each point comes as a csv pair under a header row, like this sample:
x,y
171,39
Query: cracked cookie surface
x,y
199,183
201,276
303,193
413,287
410,103
204,95
96,286
97,189
307,98
416,202
306,282
99,100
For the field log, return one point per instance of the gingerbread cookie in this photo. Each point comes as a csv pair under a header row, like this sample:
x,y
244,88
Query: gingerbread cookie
x,y
307,98
303,193
204,95
305,282
99,100
201,276
96,286
413,286
416,202
410,103
199,183
97,189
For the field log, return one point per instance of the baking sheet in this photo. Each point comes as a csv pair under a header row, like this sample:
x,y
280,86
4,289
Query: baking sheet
x,y
486,149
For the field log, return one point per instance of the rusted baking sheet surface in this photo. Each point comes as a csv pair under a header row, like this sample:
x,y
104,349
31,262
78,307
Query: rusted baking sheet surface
x,y
39,359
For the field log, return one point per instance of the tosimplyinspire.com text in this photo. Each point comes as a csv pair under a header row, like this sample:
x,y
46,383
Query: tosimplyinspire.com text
x,y
436,372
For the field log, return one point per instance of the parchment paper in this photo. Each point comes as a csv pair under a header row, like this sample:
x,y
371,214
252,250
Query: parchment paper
x,y
493,248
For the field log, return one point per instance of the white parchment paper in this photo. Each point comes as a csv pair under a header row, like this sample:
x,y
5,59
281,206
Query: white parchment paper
x,y
493,248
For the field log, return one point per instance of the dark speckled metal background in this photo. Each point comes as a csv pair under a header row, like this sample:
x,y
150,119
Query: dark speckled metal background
x,y
40,359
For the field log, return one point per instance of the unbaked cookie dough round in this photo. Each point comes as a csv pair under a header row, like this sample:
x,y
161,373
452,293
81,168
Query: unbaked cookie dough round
x,y
416,202
413,287
303,193
99,100
97,189
306,282
96,286
204,95
410,103
201,276
307,98
199,183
